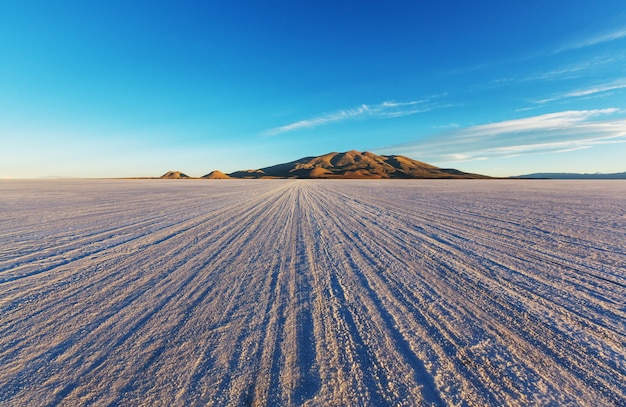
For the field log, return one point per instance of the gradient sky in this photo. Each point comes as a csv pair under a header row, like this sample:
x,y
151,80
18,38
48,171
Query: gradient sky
x,y
136,88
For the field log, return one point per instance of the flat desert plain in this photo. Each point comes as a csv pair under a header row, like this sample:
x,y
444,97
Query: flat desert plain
x,y
301,292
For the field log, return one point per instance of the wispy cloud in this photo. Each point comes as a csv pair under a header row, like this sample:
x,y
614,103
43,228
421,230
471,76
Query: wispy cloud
x,y
555,132
600,38
576,69
388,109
598,89
618,84
447,126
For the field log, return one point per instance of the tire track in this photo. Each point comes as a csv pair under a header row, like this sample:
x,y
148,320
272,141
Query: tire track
x,y
312,293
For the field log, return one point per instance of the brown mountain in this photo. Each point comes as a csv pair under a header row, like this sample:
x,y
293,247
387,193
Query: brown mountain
x,y
354,164
174,175
216,175
252,174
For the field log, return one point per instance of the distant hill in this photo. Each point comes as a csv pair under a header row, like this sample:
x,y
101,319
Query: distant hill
x,y
354,164
563,175
216,175
174,175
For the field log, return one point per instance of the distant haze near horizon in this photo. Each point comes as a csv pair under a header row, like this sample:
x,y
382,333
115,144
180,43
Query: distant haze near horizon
x,y
118,89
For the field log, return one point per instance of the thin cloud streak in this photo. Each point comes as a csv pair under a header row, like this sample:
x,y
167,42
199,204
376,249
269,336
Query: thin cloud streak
x,y
615,85
387,109
595,40
575,70
555,132
598,89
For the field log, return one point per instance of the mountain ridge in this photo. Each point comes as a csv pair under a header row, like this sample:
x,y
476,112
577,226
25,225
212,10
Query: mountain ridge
x,y
354,165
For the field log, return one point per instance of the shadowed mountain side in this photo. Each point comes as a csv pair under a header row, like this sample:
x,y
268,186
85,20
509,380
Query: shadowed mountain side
x,y
247,174
354,164
174,175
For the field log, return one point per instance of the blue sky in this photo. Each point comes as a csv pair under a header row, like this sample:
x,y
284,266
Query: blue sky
x,y
118,88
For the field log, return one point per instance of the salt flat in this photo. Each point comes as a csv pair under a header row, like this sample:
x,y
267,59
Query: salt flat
x,y
195,292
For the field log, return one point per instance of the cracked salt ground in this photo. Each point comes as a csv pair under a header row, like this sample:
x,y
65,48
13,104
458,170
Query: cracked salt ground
x,y
301,292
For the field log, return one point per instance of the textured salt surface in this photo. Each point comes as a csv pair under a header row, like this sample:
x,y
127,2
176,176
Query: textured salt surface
x,y
312,292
